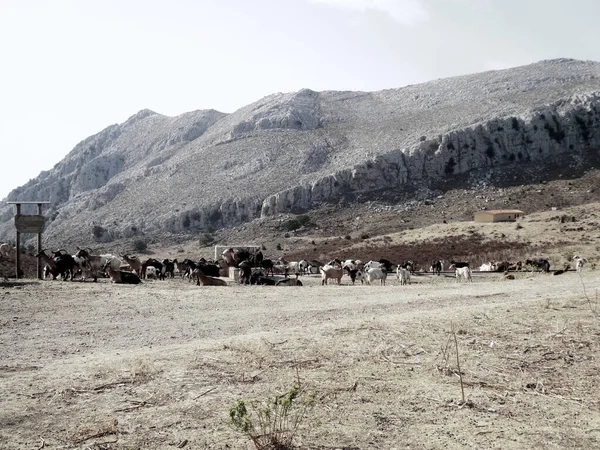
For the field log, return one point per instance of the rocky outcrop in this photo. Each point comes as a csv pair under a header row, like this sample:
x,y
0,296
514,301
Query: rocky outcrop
x,y
568,128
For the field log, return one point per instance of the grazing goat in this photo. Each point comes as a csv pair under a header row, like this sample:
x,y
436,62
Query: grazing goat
x,y
120,276
63,265
376,273
330,272
168,268
463,274
204,280
403,275
458,264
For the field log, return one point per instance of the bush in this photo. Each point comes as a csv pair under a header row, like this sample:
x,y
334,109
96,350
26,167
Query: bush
x,y
291,225
206,239
302,220
279,247
140,245
271,424
98,231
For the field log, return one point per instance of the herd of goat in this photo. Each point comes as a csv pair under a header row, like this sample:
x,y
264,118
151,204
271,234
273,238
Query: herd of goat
x,y
253,268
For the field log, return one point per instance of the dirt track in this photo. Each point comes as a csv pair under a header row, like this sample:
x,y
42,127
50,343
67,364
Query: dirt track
x,y
159,365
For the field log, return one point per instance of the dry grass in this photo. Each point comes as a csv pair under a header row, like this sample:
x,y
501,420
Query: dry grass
x,y
116,371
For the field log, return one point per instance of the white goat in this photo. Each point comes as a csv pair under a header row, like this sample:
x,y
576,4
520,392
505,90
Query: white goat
x,y
403,275
371,265
377,273
151,272
579,263
328,272
463,274
96,263
487,267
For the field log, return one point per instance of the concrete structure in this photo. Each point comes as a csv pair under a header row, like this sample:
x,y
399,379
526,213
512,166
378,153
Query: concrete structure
x,y
498,215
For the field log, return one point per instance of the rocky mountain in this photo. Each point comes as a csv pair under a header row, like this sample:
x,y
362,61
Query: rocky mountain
x,y
291,152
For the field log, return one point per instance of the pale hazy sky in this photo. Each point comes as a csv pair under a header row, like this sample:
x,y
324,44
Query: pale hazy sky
x,y
70,68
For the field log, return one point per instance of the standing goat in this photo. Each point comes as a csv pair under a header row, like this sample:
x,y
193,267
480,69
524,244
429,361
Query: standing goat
x,y
134,262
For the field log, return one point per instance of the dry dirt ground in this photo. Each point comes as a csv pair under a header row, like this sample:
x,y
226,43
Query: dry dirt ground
x,y
158,366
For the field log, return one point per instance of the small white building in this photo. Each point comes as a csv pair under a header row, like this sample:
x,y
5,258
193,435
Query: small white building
x,y
498,215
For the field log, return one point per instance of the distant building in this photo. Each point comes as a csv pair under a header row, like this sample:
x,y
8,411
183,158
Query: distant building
x,y
498,215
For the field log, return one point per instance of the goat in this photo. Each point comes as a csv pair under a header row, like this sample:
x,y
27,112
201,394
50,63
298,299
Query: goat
x,y
95,263
463,274
376,273
5,250
356,273
403,275
267,264
386,264
437,267
120,276
303,266
540,264
289,282
245,272
579,263
181,267
256,259
328,272
151,272
458,264
260,278
371,265
134,262
314,266
60,265
349,265
487,267
204,280
151,262
168,268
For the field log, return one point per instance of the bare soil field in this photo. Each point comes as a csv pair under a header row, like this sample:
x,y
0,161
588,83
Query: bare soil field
x,y
159,365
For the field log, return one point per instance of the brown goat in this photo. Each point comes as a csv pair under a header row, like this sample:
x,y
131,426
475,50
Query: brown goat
x,y
134,262
203,280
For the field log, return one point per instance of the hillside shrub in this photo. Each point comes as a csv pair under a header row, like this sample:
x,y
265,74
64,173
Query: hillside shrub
x,y
139,245
272,424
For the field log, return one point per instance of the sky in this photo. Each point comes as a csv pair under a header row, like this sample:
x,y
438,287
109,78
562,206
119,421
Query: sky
x,y
70,68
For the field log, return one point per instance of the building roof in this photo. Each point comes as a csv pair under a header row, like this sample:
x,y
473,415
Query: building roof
x,y
501,211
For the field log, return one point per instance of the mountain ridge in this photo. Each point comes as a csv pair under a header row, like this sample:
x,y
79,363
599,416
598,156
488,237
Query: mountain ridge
x,y
290,152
